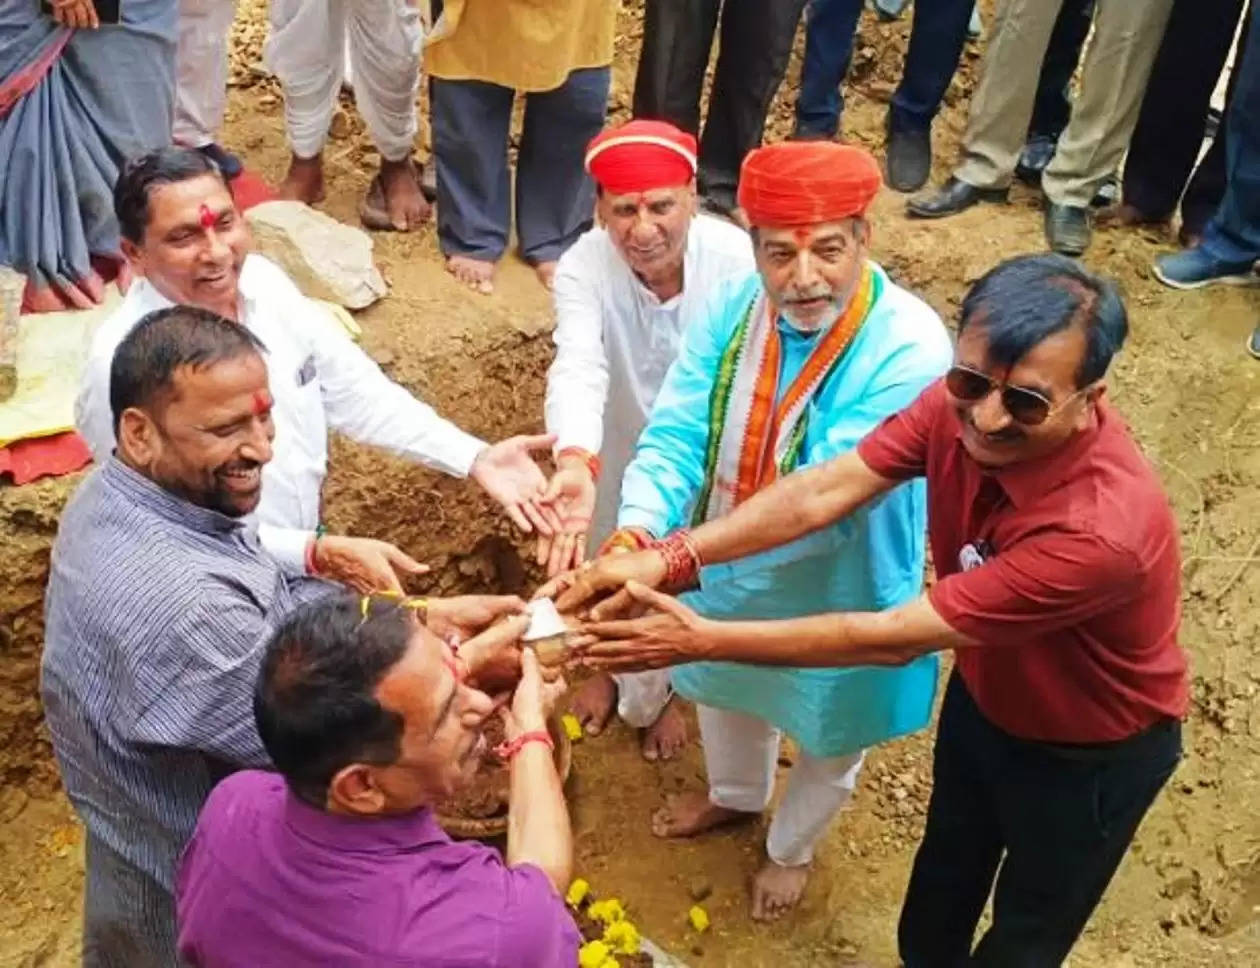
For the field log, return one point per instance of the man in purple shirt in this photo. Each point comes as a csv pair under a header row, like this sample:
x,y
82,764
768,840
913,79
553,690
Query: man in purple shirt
x,y
338,859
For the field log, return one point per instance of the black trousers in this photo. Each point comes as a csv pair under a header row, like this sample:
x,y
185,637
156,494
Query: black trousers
x,y
1053,105
754,45
1170,128
1056,821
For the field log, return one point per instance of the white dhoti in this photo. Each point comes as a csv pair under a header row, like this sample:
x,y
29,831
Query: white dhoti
x,y
306,50
740,755
642,696
201,65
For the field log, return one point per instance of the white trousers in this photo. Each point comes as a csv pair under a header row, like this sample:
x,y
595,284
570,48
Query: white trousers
x,y
741,753
642,696
306,50
201,68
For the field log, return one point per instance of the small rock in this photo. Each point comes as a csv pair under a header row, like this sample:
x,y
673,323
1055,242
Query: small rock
x,y
268,101
701,888
12,802
339,126
327,260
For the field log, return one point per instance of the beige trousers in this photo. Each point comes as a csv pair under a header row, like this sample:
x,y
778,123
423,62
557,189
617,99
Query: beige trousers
x,y
1118,58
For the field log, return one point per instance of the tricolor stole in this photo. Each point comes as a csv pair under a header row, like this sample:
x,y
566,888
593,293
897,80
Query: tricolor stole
x,y
750,448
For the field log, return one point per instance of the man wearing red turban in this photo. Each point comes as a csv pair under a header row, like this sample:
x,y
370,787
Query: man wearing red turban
x,y
786,368
623,293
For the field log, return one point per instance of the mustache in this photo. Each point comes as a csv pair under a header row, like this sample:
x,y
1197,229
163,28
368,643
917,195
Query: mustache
x,y
809,295
1006,434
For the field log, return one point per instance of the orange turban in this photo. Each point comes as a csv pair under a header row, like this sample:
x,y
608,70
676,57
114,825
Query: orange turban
x,y
641,155
806,182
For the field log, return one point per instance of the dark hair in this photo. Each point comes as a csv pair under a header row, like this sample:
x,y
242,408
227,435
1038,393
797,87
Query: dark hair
x,y
314,703
140,175
145,361
1024,300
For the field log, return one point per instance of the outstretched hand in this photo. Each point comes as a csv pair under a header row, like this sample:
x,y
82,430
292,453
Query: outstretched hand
x,y
507,472
667,634
365,564
571,493
601,583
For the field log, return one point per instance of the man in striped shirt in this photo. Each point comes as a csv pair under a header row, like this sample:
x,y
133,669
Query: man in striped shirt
x,y
159,604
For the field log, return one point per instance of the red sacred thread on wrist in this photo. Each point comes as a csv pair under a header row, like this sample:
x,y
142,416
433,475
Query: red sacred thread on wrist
x,y
310,560
592,461
507,750
682,560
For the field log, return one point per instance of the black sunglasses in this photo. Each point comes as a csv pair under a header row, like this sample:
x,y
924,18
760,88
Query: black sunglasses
x,y
1025,406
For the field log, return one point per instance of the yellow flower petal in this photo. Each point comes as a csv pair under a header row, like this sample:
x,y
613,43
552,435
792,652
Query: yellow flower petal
x,y
577,892
698,918
572,728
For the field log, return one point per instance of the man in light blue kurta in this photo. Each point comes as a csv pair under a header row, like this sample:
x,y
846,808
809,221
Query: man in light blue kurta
x,y
790,367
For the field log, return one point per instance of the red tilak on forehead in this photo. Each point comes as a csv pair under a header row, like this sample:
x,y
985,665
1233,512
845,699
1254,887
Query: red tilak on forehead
x,y
262,402
801,235
207,216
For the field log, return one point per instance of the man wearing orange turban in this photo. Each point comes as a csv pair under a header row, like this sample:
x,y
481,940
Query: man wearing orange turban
x,y
785,368
623,293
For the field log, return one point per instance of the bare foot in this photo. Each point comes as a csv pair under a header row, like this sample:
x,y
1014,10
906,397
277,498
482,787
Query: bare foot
x,y
476,274
594,702
304,181
777,889
691,813
546,273
405,202
666,737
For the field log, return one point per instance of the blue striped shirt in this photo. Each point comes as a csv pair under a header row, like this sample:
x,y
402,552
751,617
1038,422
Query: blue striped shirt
x,y
157,612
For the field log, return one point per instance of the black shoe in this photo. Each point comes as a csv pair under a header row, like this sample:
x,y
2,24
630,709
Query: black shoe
x,y
1035,157
1067,228
228,163
909,159
951,198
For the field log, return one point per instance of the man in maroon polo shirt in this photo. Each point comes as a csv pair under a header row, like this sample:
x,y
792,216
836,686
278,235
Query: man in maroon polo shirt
x,y
1058,588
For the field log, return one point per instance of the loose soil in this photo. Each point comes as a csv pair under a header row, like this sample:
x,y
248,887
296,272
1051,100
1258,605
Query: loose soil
x,y
1188,894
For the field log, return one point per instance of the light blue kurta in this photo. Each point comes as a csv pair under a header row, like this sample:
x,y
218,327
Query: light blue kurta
x,y
870,561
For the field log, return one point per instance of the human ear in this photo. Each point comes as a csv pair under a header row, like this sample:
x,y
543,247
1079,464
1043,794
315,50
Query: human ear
x,y
137,437
354,790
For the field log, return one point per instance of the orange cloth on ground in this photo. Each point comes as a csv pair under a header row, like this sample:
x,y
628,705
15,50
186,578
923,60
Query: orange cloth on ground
x,y
806,182
641,155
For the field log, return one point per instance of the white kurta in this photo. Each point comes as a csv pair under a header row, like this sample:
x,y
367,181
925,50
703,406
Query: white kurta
x,y
615,341
319,379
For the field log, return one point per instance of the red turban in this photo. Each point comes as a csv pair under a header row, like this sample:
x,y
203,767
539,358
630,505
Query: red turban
x,y
806,182
641,155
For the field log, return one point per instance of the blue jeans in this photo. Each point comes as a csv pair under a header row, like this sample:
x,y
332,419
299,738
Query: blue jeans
x,y
1233,235
937,37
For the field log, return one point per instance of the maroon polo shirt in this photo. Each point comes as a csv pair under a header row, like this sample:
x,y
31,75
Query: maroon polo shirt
x,y
1066,569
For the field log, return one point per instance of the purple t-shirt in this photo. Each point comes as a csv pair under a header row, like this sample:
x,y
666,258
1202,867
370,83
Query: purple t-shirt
x,y
268,880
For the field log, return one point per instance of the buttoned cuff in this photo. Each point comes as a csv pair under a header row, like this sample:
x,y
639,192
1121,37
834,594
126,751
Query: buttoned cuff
x,y
287,546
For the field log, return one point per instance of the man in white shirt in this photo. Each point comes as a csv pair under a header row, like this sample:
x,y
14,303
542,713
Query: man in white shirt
x,y
188,244
624,292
